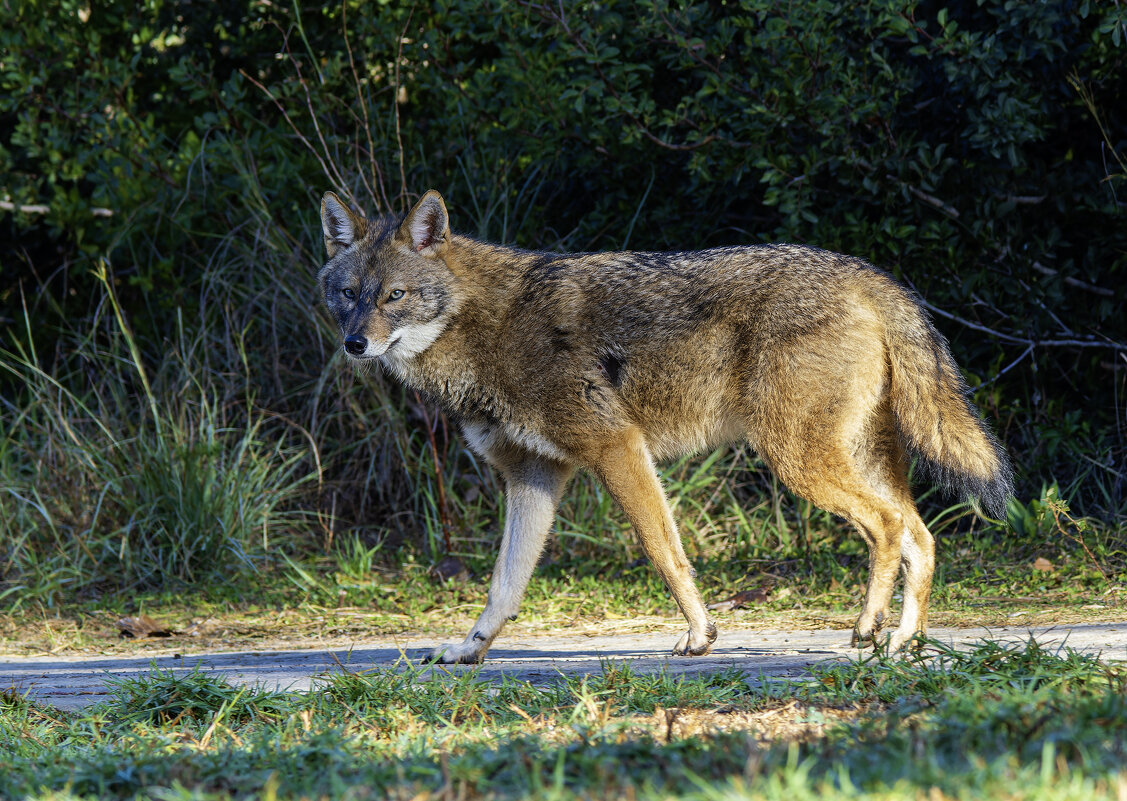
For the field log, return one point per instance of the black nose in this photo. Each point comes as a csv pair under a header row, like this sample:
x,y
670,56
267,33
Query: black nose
x,y
355,344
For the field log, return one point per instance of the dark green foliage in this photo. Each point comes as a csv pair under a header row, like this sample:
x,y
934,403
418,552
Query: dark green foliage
x,y
974,149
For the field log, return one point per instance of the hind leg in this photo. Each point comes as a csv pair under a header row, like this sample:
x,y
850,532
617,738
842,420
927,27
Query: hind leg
x,y
858,477
818,412
917,562
884,466
879,505
884,557
879,524
833,482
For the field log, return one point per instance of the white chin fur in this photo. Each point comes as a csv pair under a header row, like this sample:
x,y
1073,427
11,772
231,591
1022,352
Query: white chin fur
x,y
412,340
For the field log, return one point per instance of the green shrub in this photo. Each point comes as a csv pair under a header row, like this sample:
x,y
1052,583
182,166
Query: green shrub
x,y
974,149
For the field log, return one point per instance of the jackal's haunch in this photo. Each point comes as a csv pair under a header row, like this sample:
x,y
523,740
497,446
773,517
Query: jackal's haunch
x,y
613,361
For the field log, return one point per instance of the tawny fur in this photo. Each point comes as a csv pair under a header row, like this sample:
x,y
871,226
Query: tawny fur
x,y
612,361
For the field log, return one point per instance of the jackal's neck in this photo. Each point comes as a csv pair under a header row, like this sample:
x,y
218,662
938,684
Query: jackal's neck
x,y
460,370
491,267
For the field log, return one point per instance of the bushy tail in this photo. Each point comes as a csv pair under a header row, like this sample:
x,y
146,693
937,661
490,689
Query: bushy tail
x,y
937,422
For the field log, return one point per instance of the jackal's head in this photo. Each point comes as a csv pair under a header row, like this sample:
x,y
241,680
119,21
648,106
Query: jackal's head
x,y
386,281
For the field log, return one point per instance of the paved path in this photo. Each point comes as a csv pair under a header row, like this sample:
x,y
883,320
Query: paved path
x,y
72,683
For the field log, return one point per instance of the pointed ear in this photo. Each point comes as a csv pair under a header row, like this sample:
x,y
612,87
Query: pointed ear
x,y
340,226
426,230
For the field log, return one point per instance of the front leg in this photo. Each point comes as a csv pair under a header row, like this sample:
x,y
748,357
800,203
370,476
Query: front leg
x,y
533,488
624,465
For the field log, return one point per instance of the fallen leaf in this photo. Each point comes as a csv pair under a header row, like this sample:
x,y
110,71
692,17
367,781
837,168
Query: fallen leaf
x,y
742,599
450,569
142,626
1043,564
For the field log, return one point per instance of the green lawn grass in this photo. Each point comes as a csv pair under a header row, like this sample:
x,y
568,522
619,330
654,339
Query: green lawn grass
x,y
1000,722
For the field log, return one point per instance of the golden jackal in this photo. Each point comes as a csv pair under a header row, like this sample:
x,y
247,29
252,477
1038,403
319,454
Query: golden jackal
x,y
612,361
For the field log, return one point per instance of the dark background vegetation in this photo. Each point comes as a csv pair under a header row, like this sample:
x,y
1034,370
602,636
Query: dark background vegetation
x,y
172,402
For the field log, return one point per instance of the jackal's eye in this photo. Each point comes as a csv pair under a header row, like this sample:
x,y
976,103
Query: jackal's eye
x,y
349,293
395,294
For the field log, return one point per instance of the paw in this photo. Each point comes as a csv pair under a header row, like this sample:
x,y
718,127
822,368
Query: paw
x,y
890,643
461,654
861,639
695,644
904,641
869,634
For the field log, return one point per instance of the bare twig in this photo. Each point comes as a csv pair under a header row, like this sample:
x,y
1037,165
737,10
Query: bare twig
x,y
915,191
40,208
1040,343
1007,368
1068,279
35,208
340,182
395,101
293,127
1024,200
364,178
377,176
931,200
975,326
668,146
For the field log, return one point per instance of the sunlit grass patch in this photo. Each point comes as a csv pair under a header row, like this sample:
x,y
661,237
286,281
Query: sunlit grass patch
x,y
165,697
1016,721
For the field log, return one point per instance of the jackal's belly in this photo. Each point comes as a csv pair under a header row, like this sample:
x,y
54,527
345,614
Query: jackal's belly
x,y
684,409
672,440
685,421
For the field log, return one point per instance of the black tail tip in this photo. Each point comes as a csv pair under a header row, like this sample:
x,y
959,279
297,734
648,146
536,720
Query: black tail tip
x,y
994,493
994,496
991,494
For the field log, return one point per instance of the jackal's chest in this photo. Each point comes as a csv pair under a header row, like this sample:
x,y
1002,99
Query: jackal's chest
x,y
491,417
487,437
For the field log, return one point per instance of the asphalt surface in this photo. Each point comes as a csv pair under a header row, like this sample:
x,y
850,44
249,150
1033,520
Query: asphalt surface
x,y
73,683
